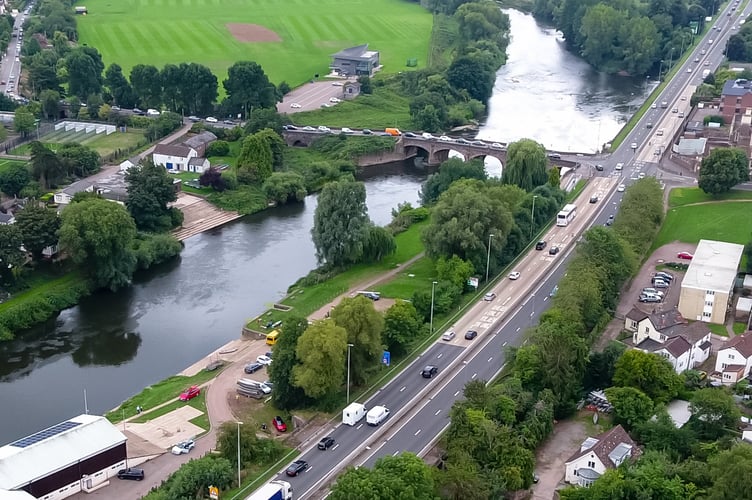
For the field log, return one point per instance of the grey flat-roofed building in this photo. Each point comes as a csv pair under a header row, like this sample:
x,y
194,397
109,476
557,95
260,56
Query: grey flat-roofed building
x,y
355,61
708,284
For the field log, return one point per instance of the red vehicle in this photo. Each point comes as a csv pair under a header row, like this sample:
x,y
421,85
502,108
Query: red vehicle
x,y
190,393
279,424
685,255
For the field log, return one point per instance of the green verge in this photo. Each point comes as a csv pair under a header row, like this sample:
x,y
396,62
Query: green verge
x,y
687,196
719,330
739,328
199,402
726,221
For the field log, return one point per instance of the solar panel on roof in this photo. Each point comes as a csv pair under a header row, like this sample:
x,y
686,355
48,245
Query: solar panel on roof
x,y
47,433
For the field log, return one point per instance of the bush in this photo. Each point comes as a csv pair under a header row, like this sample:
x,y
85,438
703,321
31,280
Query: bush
x,y
154,249
218,148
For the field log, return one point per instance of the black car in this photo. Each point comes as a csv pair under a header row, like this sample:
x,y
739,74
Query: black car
x,y
471,334
138,112
326,443
553,250
429,371
228,122
540,245
253,367
409,134
593,199
366,131
296,468
131,473
599,168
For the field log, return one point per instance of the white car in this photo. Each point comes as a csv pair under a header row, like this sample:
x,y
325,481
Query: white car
x,y
322,128
445,138
295,105
211,119
619,166
183,447
641,176
489,296
689,70
337,84
346,130
264,360
448,336
654,106
496,145
335,99
426,135
514,275
621,188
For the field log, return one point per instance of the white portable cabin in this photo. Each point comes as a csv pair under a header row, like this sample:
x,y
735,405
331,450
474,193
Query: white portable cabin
x,y
353,413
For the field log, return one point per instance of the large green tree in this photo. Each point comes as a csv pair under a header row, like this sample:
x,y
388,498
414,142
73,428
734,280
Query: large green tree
x,y
24,120
11,255
364,326
79,160
13,177
402,325
285,187
147,85
46,167
247,86
120,89
150,189
321,353
39,226
340,222
732,473
84,67
631,406
404,477
650,373
526,164
255,161
449,171
723,169
714,412
286,394
98,235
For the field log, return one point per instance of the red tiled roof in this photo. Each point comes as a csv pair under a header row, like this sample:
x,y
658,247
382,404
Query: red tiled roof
x,y
742,343
607,442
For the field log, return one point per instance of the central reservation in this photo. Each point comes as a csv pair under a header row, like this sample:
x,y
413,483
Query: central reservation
x,y
291,39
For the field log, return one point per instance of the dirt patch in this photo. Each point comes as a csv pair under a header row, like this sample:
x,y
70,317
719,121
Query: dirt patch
x,y
252,33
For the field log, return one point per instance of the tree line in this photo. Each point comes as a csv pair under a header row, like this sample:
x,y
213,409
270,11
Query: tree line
x,y
627,37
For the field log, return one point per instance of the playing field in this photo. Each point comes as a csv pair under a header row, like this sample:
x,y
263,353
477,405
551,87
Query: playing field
x,y
291,39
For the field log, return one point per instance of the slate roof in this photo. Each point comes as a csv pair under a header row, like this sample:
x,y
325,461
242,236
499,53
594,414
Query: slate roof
x,y
77,187
666,319
693,332
5,218
677,346
736,88
196,161
199,140
742,343
637,314
614,440
172,150
351,52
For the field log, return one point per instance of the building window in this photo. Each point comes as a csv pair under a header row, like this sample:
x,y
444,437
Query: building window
x,y
709,292
706,315
731,356
663,338
647,329
708,303
727,376
591,465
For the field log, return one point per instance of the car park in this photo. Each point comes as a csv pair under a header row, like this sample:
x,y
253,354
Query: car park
x,y
183,447
429,371
264,360
296,468
190,393
325,443
279,424
540,245
489,296
131,473
514,275
553,250
448,336
684,255
253,367
470,334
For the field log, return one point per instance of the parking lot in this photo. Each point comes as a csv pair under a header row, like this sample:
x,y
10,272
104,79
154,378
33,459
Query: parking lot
x,y
312,96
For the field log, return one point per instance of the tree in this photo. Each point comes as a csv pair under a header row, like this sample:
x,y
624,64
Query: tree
x,y
50,100
731,471
402,325
11,255
98,235
255,162
147,85
247,86
661,434
24,121
46,167
601,365
78,160
150,189
13,178
650,373
526,165
723,169
120,88
192,479
84,66
285,187
321,354
212,176
714,412
364,326
449,171
474,74
218,148
405,476
339,223
263,118
631,406
365,84
39,226
253,449
197,89
286,395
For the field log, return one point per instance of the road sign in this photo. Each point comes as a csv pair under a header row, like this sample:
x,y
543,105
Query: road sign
x,y
386,358
213,492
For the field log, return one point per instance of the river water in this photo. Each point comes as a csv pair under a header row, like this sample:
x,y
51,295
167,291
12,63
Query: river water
x,y
114,344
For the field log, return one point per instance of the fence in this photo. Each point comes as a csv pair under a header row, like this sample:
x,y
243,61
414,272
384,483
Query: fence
x,y
42,129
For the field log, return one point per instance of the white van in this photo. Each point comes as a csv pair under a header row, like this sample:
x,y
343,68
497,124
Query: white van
x,y
353,413
376,415
152,112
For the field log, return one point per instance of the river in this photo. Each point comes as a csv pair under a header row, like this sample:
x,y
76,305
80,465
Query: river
x,y
114,344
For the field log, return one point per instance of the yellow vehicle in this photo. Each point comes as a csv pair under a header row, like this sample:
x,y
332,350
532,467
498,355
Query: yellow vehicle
x,y
271,337
393,131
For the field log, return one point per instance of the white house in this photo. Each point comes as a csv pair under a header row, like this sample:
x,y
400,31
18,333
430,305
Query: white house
x,y
734,359
597,454
64,196
685,345
177,158
128,164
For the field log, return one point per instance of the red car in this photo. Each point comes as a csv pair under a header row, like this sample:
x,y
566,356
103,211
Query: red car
x,y
190,393
279,424
685,255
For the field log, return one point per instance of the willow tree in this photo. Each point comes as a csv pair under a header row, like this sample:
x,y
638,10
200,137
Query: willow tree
x,y
526,165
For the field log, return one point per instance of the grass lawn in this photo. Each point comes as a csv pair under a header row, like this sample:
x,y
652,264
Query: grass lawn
x,y
101,143
727,221
416,277
131,32
739,328
718,329
42,285
199,402
5,163
687,196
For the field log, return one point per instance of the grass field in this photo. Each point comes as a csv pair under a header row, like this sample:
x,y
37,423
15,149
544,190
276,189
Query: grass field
x,y
724,221
130,32
687,196
4,163
101,143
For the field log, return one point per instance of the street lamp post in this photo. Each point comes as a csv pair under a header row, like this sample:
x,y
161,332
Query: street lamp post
x,y
433,290
348,372
670,58
239,424
488,257
660,70
532,216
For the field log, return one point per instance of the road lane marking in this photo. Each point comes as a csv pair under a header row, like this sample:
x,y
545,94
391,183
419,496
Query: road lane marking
x,y
474,375
418,432
504,344
518,328
489,359
437,412
439,356
405,387
335,446
396,453
358,427
456,394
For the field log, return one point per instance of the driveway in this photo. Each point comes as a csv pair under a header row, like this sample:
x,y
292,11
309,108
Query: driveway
x,y
550,458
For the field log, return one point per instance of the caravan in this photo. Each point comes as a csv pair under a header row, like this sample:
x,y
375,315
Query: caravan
x,y
353,413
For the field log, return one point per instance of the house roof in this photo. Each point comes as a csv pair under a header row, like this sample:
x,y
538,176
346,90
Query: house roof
x,y
706,345
648,344
172,150
738,88
742,343
55,448
692,332
713,266
196,161
677,346
351,52
663,320
201,139
637,314
77,187
734,368
6,218
607,446
744,304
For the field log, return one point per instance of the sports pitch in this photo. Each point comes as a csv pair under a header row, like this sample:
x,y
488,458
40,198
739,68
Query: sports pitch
x,y
297,42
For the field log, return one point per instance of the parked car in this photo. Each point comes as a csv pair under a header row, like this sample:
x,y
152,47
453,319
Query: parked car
x,y
190,393
131,473
323,128
427,135
514,275
429,371
471,334
660,284
308,128
326,443
279,424
346,130
264,360
192,118
296,468
647,290
666,276
649,299
253,367
183,447
228,122
409,134
496,145
684,255
335,99
448,336
489,296
445,138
